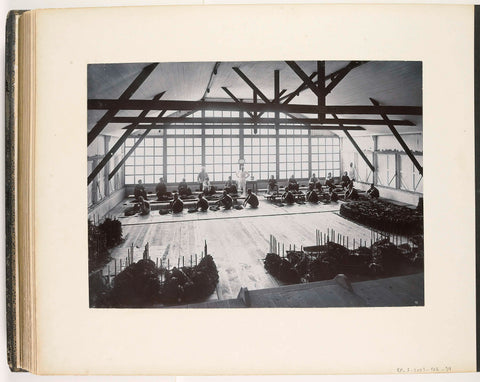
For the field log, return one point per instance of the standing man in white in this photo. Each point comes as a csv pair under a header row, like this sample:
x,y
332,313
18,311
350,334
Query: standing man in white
x,y
242,176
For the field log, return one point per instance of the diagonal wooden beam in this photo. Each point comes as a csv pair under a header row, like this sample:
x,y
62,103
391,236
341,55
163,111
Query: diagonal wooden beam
x,y
400,140
214,73
109,155
297,91
306,79
251,84
118,144
132,88
359,150
232,96
340,76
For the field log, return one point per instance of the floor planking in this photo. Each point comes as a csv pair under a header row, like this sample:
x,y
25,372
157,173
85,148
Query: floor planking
x,y
238,240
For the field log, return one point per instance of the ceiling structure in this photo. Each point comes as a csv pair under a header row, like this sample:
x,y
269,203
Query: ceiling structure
x,y
207,85
341,97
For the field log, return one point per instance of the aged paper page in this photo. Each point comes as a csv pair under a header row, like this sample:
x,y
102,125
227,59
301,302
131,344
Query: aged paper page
x,y
77,340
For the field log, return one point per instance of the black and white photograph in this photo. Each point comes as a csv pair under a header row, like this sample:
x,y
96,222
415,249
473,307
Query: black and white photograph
x,y
255,184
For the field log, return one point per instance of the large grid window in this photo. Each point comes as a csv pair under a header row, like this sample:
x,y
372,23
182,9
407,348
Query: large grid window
x,y
293,153
146,162
386,173
410,178
184,158
221,156
326,156
261,156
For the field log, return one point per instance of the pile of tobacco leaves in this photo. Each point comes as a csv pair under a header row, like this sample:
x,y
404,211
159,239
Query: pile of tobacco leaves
x,y
190,284
98,253
139,285
113,231
385,216
382,259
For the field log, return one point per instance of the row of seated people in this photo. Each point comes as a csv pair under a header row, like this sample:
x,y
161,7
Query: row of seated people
x,y
294,186
142,206
183,189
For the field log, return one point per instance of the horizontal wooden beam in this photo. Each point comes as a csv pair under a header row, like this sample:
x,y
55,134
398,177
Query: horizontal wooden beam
x,y
136,104
238,120
251,125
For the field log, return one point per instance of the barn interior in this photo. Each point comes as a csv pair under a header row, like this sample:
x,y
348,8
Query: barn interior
x,y
363,119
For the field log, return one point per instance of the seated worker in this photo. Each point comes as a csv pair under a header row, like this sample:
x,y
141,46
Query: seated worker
x,y
351,193
372,192
177,204
272,185
345,180
208,189
251,199
312,196
231,186
288,197
226,200
202,203
332,194
292,184
143,206
313,180
140,190
183,188
329,181
161,190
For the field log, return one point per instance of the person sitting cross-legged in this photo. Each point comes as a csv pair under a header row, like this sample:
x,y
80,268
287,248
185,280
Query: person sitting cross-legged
x,y
373,192
230,186
345,180
332,194
351,193
177,204
272,185
161,190
202,203
292,184
288,197
312,196
183,188
208,189
143,206
329,181
140,191
226,201
251,199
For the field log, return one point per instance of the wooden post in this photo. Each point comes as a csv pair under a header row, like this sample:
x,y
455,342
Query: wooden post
x,y
191,261
156,262
195,259
354,243
168,264
108,275
347,243
115,267
120,265
178,263
183,261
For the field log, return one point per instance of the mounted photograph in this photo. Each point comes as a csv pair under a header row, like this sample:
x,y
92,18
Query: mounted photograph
x,y
256,184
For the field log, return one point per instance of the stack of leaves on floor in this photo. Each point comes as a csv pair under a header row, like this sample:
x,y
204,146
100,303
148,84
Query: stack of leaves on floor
x,y
385,216
139,285
324,262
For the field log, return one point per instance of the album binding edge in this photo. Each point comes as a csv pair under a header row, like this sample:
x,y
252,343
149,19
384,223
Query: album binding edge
x,y
11,120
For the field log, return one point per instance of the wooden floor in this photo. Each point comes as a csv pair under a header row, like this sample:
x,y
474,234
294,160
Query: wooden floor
x,y
238,240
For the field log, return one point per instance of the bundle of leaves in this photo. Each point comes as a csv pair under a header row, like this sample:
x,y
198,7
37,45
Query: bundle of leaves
x,y
322,269
98,253
113,231
357,261
385,216
300,261
137,285
281,268
98,290
190,284
387,256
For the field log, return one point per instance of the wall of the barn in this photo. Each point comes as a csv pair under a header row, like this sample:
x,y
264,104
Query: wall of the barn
x,y
396,177
104,194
